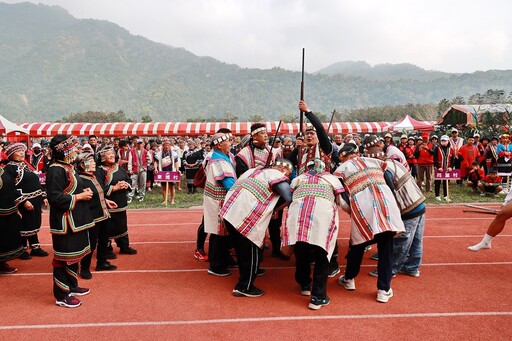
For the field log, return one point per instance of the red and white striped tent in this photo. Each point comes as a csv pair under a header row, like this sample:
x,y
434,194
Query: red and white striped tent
x,y
47,129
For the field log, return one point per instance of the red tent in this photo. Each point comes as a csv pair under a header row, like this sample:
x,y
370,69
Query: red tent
x,y
409,123
48,129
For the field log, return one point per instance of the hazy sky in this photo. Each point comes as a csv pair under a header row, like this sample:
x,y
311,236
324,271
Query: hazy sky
x,y
444,35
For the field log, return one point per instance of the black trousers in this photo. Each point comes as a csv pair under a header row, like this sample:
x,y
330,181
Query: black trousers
x,y
218,252
274,232
32,241
123,242
201,236
65,278
303,253
437,187
248,257
98,236
333,264
355,254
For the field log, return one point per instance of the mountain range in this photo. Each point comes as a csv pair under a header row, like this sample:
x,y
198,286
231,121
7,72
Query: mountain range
x,y
53,64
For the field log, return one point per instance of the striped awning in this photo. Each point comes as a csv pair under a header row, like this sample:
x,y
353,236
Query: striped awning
x,y
48,129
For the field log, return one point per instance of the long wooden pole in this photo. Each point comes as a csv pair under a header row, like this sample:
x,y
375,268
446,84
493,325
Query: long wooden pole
x,y
301,120
166,192
270,154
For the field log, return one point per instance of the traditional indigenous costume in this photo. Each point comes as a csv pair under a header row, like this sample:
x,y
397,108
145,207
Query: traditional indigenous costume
x,y
456,143
27,183
504,164
69,221
252,156
98,235
374,214
220,176
109,176
247,211
10,239
312,226
323,151
443,159
407,246
491,155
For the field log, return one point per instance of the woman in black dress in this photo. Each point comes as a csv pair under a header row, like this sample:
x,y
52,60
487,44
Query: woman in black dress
x,y
116,186
98,234
70,218
10,238
33,198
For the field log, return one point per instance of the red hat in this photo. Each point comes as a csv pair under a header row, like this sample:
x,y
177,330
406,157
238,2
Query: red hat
x,y
425,134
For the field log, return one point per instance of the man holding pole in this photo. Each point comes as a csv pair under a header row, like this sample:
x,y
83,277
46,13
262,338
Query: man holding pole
x,y
314,145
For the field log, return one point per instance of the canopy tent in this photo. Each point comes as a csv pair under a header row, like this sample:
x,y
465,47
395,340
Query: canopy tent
x,y
408,123
7,127
47,129
472,114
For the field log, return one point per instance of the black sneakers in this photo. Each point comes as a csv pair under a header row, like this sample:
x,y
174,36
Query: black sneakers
x,y
316,303
85,274
219,272
105,266
279,255
128,251
6,269
25,256
260,272
252,292
38,252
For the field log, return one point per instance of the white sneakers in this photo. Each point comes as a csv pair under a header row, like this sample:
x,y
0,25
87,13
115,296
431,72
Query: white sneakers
x,y
384,296
350,284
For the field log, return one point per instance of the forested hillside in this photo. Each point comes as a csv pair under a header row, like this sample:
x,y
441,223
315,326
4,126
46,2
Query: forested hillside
x,y
52,65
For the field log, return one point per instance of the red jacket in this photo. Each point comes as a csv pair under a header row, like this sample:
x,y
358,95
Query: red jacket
x,y
135,160
469,154
425,154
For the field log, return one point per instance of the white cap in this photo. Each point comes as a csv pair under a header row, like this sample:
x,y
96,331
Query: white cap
x,y
87,145
36,145
445,138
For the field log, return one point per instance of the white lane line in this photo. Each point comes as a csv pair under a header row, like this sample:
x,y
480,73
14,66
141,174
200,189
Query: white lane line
x,y
195,224
267,268
259,319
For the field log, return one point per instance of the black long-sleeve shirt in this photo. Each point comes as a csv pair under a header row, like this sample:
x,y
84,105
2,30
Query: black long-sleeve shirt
x,y
323,138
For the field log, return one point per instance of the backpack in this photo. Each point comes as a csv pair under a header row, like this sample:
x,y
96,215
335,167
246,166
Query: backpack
x,y
200,177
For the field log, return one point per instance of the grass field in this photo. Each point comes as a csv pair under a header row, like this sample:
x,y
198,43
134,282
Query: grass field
x,y
154,199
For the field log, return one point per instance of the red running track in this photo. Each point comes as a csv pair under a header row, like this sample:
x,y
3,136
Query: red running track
x,y
163,292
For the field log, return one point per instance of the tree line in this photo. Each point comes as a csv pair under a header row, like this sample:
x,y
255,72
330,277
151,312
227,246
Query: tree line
x,y
425,112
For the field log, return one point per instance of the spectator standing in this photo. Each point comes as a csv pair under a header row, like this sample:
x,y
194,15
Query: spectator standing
x,y
424,154
468,153
456,143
